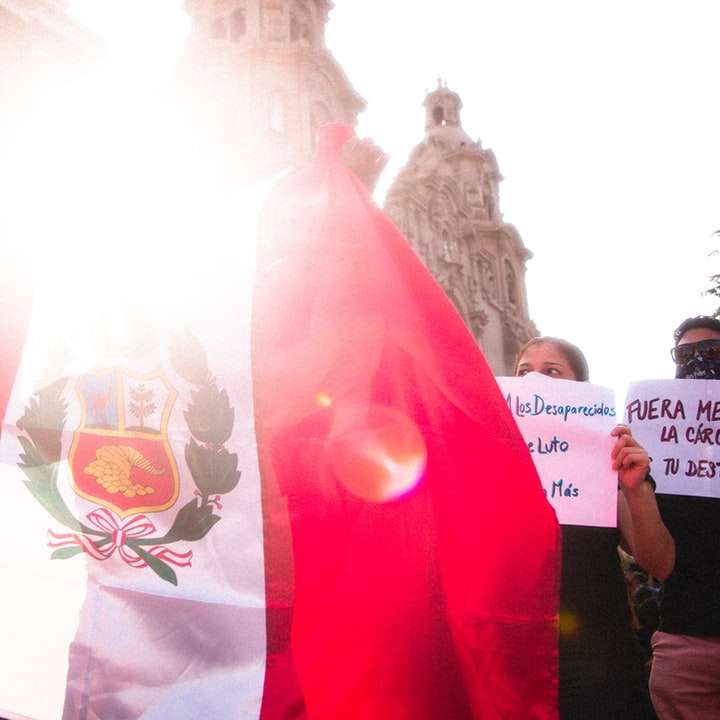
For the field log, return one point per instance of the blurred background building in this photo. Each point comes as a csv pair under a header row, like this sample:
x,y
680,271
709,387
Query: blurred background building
x,y
259,73
256,81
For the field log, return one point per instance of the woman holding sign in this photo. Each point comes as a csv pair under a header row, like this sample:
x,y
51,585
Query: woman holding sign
x,y
601,669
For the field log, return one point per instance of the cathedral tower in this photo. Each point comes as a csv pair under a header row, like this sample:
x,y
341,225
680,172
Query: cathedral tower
x,y
445,201
262,69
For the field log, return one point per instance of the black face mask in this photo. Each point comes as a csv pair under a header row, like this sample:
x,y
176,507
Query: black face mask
x,y
699,369
698,361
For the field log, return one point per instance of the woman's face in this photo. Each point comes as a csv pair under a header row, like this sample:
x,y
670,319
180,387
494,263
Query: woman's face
x,y
545,358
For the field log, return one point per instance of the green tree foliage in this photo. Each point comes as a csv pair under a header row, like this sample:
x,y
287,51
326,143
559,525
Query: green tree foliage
x,y
714,289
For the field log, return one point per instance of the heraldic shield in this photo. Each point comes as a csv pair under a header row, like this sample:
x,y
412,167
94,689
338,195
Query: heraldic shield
x,y
120,454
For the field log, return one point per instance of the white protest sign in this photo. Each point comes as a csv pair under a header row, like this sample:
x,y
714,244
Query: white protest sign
x,y
566,426
678,423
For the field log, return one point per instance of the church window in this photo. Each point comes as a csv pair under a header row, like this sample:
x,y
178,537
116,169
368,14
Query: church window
x,y
438,115
489,198
219,29
510,282
301,25
487,276
238,24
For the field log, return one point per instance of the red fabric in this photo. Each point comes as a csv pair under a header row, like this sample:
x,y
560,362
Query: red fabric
x,y
15,304
440,603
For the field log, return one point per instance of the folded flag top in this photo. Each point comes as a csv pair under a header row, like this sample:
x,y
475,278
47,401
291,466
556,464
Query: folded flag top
x,y
299,494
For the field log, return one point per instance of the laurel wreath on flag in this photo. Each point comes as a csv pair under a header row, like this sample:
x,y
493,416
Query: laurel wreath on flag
x,y
210,420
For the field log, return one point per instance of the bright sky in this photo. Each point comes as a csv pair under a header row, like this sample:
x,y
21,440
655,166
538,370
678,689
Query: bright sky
x,y
604,120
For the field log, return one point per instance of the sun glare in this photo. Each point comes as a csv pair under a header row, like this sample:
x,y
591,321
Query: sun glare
x,y
141,37
115,198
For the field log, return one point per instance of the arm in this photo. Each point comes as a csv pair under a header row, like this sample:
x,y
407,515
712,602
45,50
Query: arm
x,y
638,515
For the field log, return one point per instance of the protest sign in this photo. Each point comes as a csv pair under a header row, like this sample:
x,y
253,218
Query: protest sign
x,y
678,423
566,426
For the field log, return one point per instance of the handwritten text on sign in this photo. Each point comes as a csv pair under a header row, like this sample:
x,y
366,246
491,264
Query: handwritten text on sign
x,y
566,426
678,423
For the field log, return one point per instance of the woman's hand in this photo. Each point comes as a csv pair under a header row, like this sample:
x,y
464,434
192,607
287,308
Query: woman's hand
x,y
365,159
638,515
629,458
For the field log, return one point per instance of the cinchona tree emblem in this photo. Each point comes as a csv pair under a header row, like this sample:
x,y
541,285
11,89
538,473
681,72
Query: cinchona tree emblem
x,y
121,460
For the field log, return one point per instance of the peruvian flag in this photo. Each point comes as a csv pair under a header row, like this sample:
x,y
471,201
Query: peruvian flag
x,y
288,489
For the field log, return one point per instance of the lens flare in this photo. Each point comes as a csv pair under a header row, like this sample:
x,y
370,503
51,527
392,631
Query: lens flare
x,y
569,624
323,400
377,454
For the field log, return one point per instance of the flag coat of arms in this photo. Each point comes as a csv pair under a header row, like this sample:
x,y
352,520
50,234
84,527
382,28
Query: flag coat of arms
x,y
294,492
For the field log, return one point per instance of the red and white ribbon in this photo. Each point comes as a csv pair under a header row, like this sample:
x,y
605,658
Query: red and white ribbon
x,y
136,527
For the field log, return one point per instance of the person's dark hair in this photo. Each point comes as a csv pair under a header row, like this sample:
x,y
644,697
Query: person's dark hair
x,y
701,321
572,354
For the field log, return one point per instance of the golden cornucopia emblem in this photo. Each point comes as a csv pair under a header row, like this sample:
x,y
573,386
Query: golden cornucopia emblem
x,y
113,467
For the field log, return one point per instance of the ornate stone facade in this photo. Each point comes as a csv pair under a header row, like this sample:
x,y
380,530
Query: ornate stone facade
x,y
274,52
445,201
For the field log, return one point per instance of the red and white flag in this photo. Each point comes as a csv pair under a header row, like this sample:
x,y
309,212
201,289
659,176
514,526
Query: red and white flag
x,y
294,491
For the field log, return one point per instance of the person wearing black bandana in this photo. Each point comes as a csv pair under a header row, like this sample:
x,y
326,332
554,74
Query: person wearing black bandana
x,y
697,349
685,677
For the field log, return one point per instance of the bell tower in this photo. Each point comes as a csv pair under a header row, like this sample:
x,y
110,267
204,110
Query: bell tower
x,y
445,201
265,79
442,107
